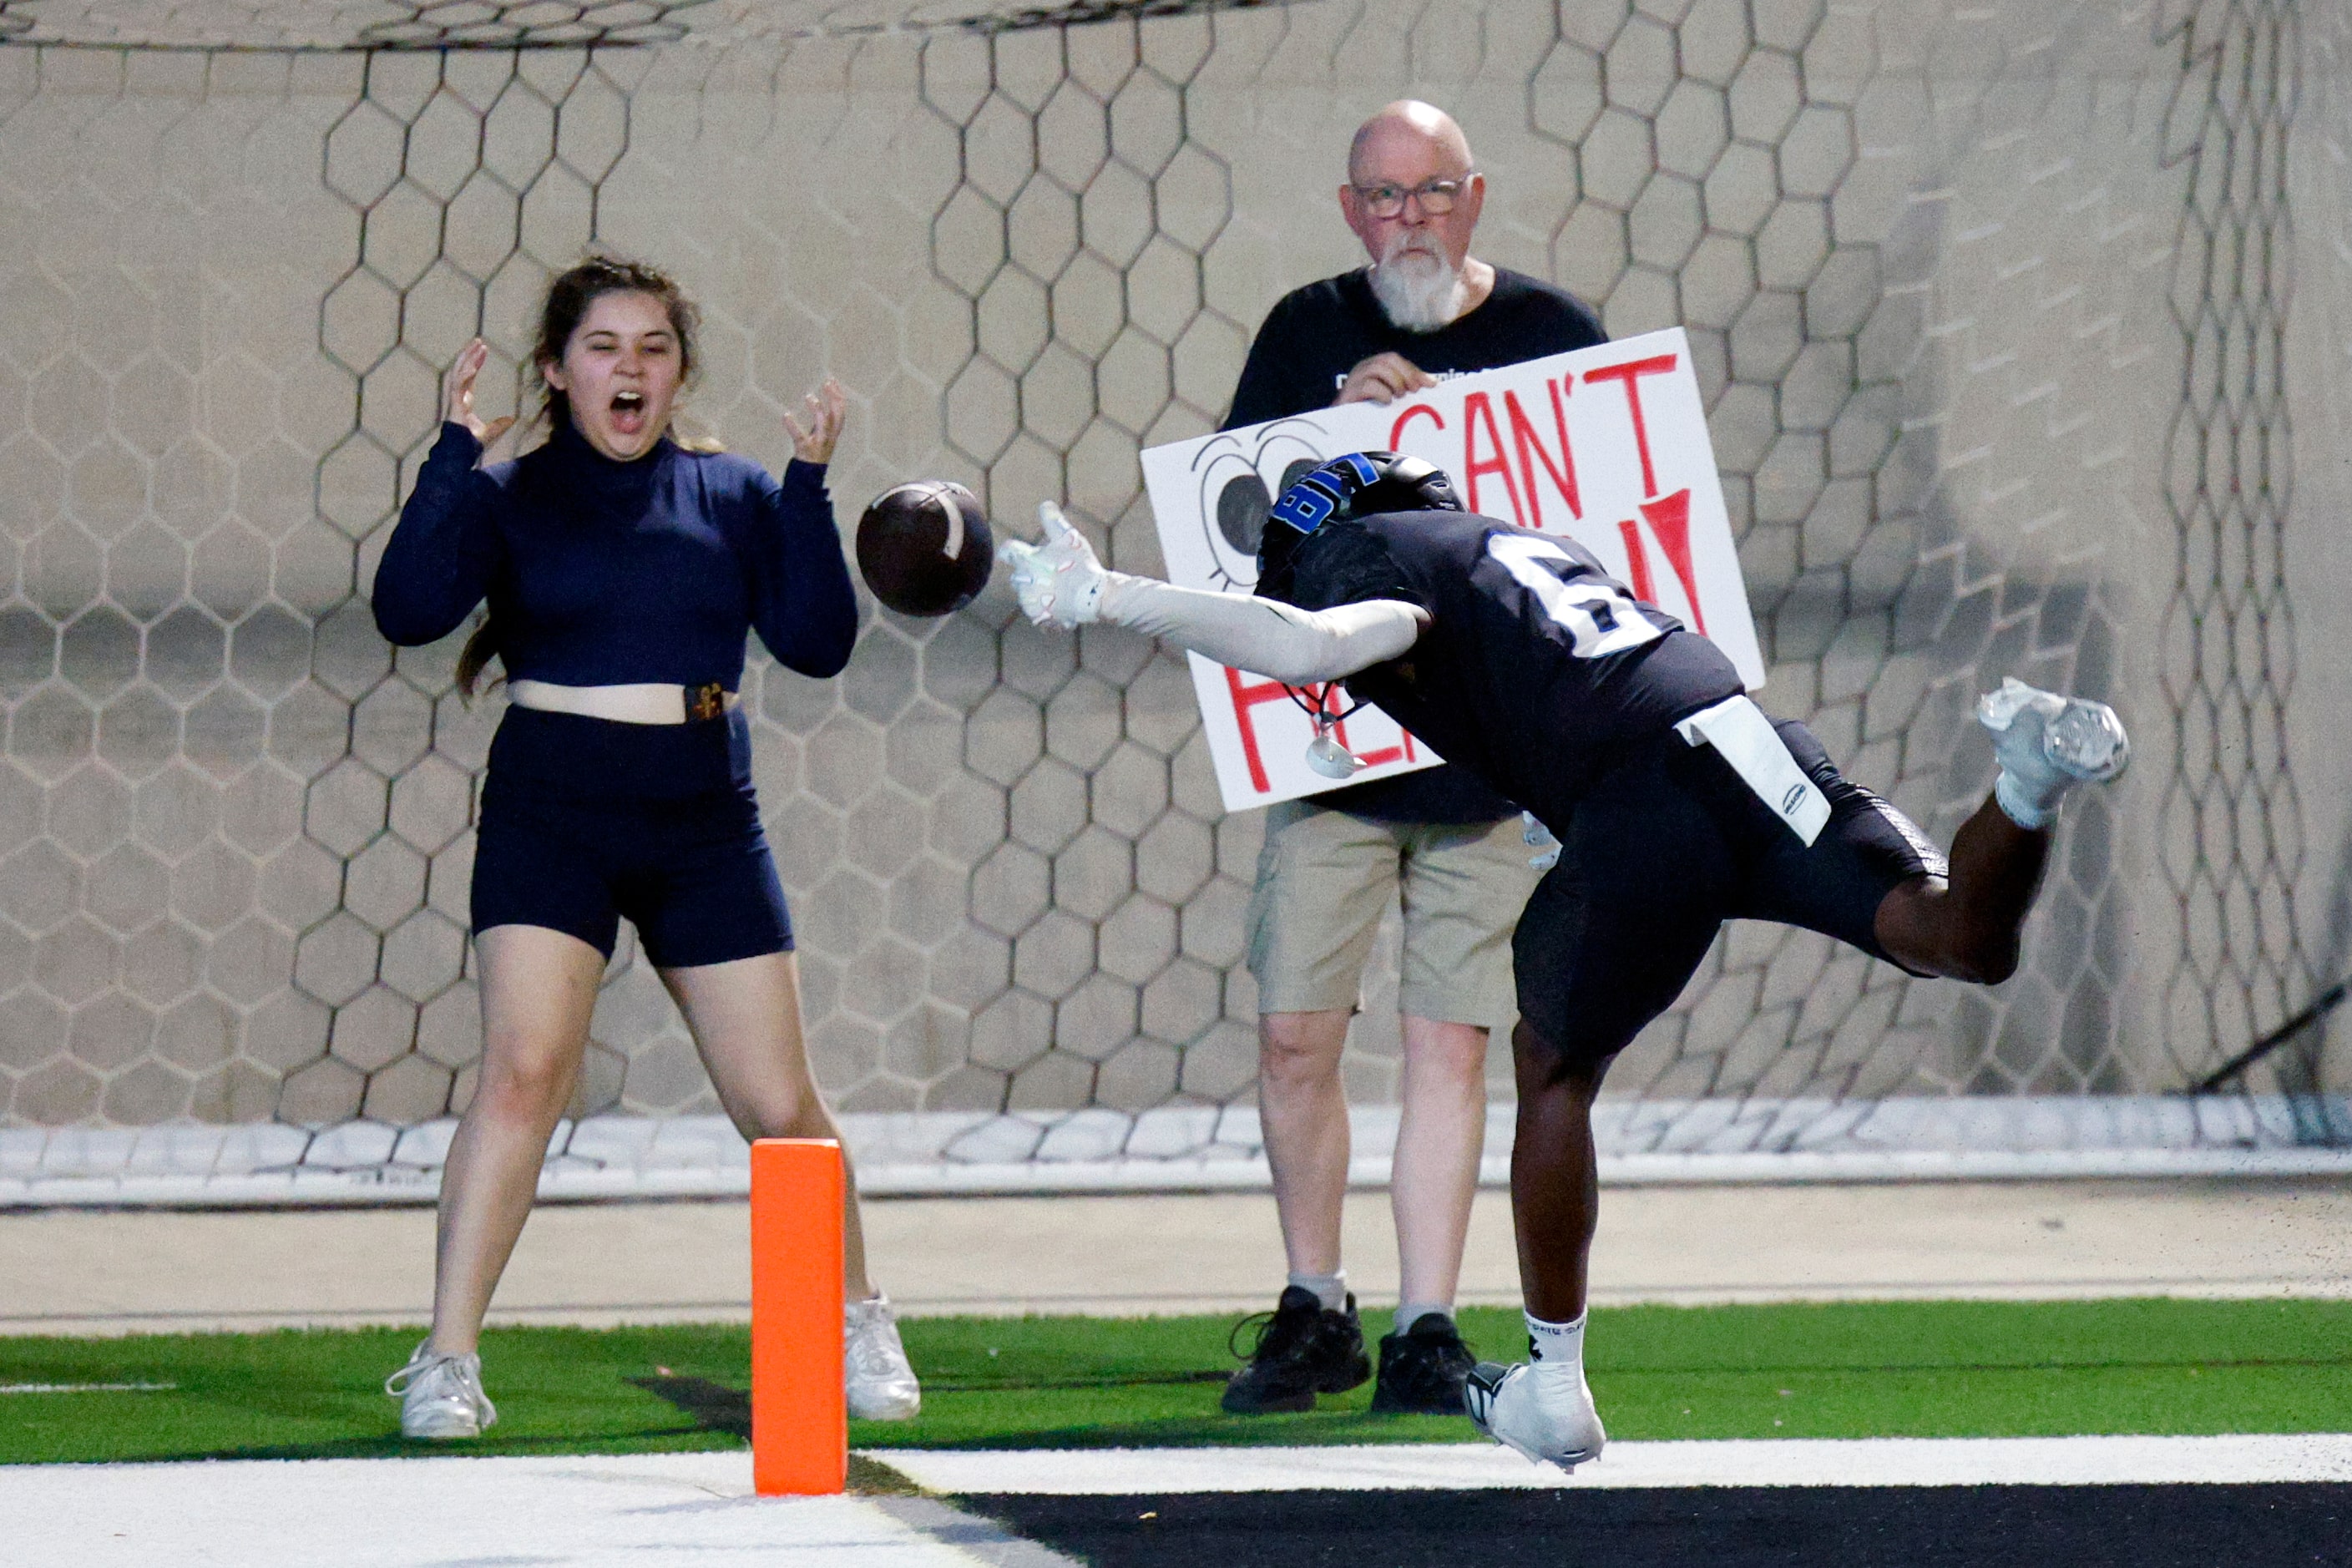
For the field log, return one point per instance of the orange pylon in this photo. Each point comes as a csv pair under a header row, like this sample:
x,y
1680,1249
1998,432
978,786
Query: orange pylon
x,y
800,1421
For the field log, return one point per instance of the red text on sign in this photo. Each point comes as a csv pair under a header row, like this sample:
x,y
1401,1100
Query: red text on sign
x,y
1630,372
1637,562
1245,698
1531,451
1479,409
1396,431
1669,518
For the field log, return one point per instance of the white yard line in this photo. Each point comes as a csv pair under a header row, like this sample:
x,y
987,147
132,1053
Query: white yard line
x,y
577,1512
86,1387
586,1511
1862,1462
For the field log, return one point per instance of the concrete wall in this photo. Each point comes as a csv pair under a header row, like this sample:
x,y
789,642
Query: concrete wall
x,y
1982,300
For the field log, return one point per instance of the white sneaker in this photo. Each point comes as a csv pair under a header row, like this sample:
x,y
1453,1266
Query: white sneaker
x,y
1540,1419
441,1395
2046,744
880,1384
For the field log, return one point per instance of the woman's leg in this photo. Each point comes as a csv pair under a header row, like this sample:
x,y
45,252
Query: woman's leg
x,y
746,1018
539,988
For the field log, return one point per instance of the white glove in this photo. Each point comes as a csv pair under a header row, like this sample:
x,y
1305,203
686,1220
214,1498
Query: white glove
x,y
1537,836
1060,581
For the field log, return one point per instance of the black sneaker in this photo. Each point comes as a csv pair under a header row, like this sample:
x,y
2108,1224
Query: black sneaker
x,y
1303,1349
1422,1370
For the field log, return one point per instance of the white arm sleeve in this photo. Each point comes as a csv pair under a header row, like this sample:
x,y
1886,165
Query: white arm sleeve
x,y
1263,635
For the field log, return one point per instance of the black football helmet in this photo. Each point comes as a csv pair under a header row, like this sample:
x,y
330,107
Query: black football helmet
x,y
1358,484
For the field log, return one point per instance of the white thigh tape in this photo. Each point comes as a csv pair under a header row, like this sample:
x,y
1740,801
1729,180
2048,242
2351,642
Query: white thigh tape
x,y
1742,736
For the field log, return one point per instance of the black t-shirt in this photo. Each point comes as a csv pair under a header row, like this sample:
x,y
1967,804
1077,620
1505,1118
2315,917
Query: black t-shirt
x,y
1312,338
1537,669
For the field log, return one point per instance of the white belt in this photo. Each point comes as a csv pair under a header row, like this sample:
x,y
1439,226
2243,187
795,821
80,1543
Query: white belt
x,y
645,704
1742,736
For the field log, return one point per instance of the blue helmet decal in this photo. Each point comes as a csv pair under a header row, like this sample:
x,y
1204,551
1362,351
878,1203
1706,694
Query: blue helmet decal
x,y
1310,502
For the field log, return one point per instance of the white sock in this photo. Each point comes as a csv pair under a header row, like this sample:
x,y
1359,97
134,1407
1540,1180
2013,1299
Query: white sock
x,y
1331,1290
2029,806
1558,1348
1407,1313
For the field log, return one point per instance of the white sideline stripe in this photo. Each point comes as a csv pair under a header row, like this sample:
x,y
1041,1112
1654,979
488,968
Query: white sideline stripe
x,y
575,1511
86,1387
1791,1462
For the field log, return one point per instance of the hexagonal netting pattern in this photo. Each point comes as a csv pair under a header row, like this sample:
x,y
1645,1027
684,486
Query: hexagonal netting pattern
x,y
2231,826
379,24
1954,278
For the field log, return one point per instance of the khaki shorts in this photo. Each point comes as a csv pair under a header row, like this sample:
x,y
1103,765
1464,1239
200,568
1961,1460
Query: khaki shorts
x,y
1325,878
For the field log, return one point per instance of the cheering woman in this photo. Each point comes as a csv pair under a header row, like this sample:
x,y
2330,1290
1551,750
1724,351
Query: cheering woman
x,y
622,570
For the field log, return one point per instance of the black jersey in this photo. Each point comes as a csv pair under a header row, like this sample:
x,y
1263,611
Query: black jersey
x,y
1538,672
1312,338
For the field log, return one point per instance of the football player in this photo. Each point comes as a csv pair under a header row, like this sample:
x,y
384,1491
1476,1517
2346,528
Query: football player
x,y
1631,740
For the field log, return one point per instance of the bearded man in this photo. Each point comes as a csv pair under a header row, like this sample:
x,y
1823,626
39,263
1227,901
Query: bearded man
x,y
1441,845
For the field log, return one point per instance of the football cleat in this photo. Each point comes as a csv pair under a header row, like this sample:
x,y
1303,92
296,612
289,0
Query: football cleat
x,y
2046,744
1546,1419
441,1395
877,1377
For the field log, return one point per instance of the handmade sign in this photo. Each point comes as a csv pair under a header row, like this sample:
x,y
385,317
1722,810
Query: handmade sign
x,y
1607,445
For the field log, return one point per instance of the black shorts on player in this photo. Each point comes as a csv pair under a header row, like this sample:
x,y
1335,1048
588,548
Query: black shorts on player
x,y
1659,852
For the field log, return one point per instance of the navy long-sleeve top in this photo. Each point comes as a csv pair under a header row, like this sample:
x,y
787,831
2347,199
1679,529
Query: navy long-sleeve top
x,y
601,573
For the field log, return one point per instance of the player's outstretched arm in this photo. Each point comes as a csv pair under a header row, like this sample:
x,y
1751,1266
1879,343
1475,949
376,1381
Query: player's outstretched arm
x,y
1062,583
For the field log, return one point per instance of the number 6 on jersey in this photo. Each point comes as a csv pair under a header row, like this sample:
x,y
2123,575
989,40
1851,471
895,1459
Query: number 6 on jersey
x,y
1598,618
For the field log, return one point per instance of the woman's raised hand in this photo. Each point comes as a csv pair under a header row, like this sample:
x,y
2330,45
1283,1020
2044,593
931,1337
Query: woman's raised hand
x,y
457,395
813,443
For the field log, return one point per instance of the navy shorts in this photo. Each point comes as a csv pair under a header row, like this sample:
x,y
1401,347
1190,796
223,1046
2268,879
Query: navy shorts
x,y
1661,852
585,823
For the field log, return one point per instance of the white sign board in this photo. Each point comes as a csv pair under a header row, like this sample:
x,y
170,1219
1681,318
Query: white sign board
x,y
1607,445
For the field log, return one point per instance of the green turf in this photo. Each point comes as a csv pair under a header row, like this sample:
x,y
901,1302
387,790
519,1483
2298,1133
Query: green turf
x,y
1913,1369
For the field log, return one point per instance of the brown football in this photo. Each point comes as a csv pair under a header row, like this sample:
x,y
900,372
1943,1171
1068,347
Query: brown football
x,y
924,547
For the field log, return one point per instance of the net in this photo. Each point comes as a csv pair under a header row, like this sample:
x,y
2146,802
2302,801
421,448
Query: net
x,y
1991,306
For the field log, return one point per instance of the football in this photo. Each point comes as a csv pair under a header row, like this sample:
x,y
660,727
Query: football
x,y
924,547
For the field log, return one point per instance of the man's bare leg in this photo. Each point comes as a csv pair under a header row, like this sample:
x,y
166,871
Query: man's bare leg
x,y
1303,1118
1433,1175
1311,1344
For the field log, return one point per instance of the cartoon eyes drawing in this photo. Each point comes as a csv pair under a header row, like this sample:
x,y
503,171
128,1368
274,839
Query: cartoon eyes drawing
x,y
1238,485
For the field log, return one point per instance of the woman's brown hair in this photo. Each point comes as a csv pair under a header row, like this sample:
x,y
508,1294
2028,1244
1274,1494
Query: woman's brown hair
x,y
567,299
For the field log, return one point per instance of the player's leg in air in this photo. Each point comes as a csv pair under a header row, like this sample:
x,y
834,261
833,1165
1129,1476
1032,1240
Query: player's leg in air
x,y
1665,848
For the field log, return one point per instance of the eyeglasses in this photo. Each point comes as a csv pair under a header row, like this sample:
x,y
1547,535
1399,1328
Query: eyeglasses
x,y
1437,196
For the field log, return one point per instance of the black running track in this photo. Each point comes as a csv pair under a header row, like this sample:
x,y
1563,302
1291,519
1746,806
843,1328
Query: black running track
x,y
1730,1527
